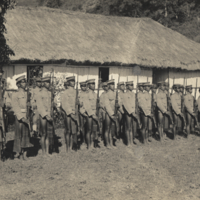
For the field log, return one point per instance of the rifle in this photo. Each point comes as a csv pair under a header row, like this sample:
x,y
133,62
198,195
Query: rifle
x,y
97,106
153,109
116,108
196,106
182,98
136,98
76,110
52,98
28,102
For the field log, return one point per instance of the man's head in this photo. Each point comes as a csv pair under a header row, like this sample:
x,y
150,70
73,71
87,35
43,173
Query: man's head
x,y
38,82
66,84
91,84
83,86
166,86
121,86
21,82
105,86
129,85
161,86
188,88
176,87
181,89
154,88
140,87
71,81
46,82
111,84
147,86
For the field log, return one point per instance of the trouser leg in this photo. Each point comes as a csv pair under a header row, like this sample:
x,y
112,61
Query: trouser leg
x,y
89,131
43,127
67,122
175,125
189,123
160,125
107,135
128,130
144,128
82,128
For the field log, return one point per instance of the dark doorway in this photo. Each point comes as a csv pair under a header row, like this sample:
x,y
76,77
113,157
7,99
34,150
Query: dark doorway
x,y
160,75
104,73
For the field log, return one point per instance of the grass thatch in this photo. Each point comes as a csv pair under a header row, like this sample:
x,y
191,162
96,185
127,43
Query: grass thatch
x,y
50,34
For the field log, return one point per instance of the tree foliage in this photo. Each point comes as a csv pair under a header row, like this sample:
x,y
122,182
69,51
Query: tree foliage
x,y
5,50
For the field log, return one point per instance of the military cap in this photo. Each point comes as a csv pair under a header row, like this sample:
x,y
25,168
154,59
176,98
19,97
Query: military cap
x,y
154,86
82,83
181,86
166,83
188,86
140,84
104,84
70,78
112,81
90,81
147,84
120,83
129,83
176,85
66,83
46,79
20,78
38,79
161,83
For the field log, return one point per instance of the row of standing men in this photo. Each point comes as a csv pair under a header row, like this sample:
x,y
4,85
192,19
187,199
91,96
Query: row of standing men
x,y
114,115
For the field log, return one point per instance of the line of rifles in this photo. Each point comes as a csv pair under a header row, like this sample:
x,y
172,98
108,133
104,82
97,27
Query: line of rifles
x,y
99,133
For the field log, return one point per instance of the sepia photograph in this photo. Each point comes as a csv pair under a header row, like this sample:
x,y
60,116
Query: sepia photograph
x,y
99,99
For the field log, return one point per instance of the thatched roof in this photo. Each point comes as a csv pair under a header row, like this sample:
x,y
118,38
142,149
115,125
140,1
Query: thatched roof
x,y
50,34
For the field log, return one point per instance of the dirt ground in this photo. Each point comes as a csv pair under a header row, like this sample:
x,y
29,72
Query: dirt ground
x,y
156,171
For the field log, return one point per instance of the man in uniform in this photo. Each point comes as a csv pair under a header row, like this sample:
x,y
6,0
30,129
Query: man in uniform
x,y
102,106
152,124
121,87
189,109
110,119
152,128
92,120
43,99
161,100
176,109
181,92
22,126
129,105
35,117
82,116
145,105
68,103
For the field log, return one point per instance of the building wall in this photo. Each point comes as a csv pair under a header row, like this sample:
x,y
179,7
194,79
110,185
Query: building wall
x,y
83,72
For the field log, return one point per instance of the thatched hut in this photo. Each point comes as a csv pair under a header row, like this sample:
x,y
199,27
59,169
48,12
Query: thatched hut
x,y
87,44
